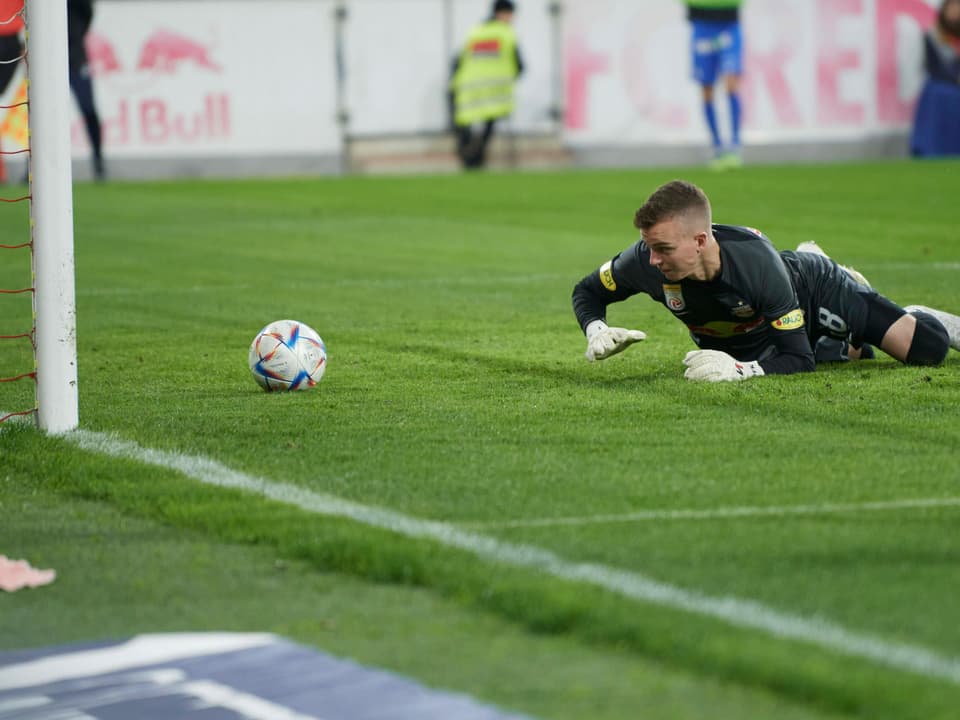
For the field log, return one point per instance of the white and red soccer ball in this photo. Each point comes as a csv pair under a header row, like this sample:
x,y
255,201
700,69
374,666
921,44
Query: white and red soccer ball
x,y
287,355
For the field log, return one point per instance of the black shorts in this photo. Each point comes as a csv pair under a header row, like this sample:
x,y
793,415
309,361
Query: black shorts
x,y
835,305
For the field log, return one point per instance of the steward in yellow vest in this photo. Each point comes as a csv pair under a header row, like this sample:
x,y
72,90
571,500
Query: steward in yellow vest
x,y
482,82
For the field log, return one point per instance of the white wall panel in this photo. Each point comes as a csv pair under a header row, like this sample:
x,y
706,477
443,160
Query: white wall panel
x,y
814,69
201,78
213,78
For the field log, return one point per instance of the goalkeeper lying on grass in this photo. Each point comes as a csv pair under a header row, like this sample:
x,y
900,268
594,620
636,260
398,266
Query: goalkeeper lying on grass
x,y
750,309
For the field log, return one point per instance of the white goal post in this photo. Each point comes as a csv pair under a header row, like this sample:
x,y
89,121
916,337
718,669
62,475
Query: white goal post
x,y
51,213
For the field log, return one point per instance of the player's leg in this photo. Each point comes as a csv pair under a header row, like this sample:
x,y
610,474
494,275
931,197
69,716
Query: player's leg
x,y
706,63
732,82
82,86
914,338
710,115
849,310
464,143
484,142
732,155
837,310
731,67
811,247
951,323
832,350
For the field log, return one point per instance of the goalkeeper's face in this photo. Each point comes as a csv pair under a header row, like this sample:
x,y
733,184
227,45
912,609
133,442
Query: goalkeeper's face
x,y
675,248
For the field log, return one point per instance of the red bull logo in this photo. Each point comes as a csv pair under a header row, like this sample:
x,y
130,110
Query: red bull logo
x,y
159,122
165,51
101,55
160,89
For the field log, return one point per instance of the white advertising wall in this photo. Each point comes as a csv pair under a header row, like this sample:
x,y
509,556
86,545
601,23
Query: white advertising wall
x,y
399,55
233,79
213,78
814,69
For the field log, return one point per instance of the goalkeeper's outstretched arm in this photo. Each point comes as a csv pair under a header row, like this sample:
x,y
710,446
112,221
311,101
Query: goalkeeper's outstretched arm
x,y
590,299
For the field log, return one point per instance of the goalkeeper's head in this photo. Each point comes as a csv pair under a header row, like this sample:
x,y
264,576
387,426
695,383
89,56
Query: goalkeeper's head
x,y
675,223
677,199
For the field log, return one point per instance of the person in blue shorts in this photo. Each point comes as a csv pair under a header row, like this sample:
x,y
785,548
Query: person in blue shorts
x,y
717,46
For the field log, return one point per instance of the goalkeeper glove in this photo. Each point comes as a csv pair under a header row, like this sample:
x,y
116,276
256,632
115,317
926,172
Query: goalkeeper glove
x,y
603,341
716,366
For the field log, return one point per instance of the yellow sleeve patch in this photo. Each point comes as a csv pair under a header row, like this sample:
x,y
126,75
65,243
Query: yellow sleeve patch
x,y
791,321
606,276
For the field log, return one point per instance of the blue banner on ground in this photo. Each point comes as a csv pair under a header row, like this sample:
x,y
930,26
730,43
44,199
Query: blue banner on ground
x,y
214,676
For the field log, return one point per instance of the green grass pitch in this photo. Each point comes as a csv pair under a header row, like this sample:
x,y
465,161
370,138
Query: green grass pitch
x,y
457,392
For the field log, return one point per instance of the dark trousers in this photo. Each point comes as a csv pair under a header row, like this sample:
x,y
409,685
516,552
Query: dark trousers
x,y
472,146
82,86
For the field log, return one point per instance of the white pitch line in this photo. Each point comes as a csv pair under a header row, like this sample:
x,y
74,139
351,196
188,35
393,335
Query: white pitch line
x,y
936,265
739,612
720,513
500,280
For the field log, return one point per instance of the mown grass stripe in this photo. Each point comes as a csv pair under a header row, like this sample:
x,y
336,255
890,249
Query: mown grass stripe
x,y
735,611
724,512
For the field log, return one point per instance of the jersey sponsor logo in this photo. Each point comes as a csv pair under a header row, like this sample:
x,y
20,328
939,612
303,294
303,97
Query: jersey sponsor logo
x,y
724,328
606,276
791,321
673,296
742,310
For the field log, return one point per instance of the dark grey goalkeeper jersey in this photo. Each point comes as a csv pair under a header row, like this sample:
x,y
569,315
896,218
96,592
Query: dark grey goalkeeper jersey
x,y
764,305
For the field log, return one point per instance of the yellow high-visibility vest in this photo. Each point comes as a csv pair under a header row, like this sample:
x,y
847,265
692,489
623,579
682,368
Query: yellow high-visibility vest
x,y
483,82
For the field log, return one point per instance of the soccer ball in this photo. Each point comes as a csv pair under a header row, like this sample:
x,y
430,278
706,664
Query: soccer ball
x,y
287,355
